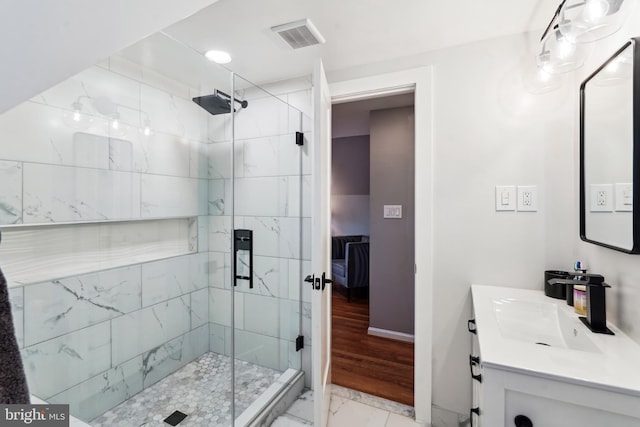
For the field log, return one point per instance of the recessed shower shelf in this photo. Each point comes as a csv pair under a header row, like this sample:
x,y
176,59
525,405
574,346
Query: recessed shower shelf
x,y
36,253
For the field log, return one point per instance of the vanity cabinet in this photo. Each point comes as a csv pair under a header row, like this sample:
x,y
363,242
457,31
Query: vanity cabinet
x,y
504,395
544,383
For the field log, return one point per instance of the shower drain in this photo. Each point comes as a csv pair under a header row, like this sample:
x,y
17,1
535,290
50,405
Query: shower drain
x,y
176,418
543,343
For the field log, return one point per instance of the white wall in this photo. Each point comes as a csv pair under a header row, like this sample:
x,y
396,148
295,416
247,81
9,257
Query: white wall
x,y
489,130
43,43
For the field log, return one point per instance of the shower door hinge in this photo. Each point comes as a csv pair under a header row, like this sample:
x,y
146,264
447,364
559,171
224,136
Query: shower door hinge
x,y
299,343
299,138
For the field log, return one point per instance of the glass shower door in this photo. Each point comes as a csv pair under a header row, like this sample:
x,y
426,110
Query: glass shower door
x,y
269,237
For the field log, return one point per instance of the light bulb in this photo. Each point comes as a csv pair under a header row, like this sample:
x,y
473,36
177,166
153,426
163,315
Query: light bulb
x,y
565,48
115,124
77,107
595,10
543,75
613,66
146,130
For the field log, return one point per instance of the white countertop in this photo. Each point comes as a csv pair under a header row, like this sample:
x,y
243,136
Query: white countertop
x,y
615,366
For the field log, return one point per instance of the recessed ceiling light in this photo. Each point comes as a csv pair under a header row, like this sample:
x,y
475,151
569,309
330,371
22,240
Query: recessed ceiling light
x,y
218,56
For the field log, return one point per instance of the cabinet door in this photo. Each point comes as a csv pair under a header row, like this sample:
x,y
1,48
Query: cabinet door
x,y
553,413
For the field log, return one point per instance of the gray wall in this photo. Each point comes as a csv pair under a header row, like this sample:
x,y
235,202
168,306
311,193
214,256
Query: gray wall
x,y
350,185
392,240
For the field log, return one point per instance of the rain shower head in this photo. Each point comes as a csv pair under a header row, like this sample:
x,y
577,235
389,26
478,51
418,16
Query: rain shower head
x,y
218,103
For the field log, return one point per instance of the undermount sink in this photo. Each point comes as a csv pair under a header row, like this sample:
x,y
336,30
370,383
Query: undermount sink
x,y
541,323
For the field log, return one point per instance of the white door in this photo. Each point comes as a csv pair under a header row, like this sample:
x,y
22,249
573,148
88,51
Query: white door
x,y
321,248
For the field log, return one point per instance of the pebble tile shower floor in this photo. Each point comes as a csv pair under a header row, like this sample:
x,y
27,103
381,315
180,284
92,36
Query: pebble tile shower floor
x,y
201,389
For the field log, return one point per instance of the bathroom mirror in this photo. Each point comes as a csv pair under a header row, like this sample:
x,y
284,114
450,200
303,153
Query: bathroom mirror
x,y
609,152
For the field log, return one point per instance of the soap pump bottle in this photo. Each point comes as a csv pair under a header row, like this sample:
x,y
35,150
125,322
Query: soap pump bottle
x,y
578,269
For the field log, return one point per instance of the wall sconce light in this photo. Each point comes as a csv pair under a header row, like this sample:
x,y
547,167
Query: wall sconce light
x,y
585,21
146,131
107,108
77,119
575,23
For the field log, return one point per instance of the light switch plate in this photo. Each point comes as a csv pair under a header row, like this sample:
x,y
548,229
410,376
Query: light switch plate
x,y
601,197
527,198
393,211
505,197
624,197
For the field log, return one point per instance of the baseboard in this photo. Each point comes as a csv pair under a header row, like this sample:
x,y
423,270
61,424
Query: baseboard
x,y
384,333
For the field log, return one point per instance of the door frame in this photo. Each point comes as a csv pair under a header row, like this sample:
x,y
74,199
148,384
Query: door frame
x,y
418,80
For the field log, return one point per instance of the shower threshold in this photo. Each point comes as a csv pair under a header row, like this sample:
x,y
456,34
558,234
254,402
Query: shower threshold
x,y
201,390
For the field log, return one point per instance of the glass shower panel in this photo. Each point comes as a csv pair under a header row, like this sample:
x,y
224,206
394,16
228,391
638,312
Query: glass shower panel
x,y
269,237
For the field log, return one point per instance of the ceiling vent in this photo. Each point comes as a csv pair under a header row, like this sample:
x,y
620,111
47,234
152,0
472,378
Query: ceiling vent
x,y
299,33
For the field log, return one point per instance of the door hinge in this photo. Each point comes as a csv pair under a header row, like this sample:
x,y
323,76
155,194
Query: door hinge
x,y
299,138
299,343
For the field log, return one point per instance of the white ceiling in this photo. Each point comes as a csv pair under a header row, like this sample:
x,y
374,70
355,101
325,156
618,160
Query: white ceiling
x,y
357,32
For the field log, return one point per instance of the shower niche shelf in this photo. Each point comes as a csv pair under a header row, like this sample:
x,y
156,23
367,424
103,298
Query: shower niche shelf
x,y
36,253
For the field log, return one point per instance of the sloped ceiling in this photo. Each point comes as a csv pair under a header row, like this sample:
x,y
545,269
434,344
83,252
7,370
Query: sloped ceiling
x,y
45,42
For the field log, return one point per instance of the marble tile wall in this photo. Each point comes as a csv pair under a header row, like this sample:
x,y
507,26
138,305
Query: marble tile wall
x,y
272,198
96,339
60,167
98,335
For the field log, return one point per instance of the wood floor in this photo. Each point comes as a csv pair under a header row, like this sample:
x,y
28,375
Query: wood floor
x,y
374,365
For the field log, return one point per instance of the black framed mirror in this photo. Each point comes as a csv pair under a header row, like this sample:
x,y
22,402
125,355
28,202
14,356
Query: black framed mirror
x,y
610,152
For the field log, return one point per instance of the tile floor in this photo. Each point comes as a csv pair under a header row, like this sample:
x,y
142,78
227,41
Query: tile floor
x,y
349,408
201,390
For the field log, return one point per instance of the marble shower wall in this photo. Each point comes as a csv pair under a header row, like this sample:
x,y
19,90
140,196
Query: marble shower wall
x,y
272,198
56,169
95,337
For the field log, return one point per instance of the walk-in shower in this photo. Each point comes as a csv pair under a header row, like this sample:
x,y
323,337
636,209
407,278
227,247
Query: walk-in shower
x,y
132,300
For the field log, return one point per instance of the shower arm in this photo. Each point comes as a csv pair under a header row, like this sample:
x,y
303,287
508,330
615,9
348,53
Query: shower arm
x,y
228,97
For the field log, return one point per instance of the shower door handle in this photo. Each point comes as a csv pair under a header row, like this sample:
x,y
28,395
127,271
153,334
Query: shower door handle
x,y
243,241
318,283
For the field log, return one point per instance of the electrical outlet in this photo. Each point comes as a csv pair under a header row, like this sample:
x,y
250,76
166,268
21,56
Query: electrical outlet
x,y
601,197
527,198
